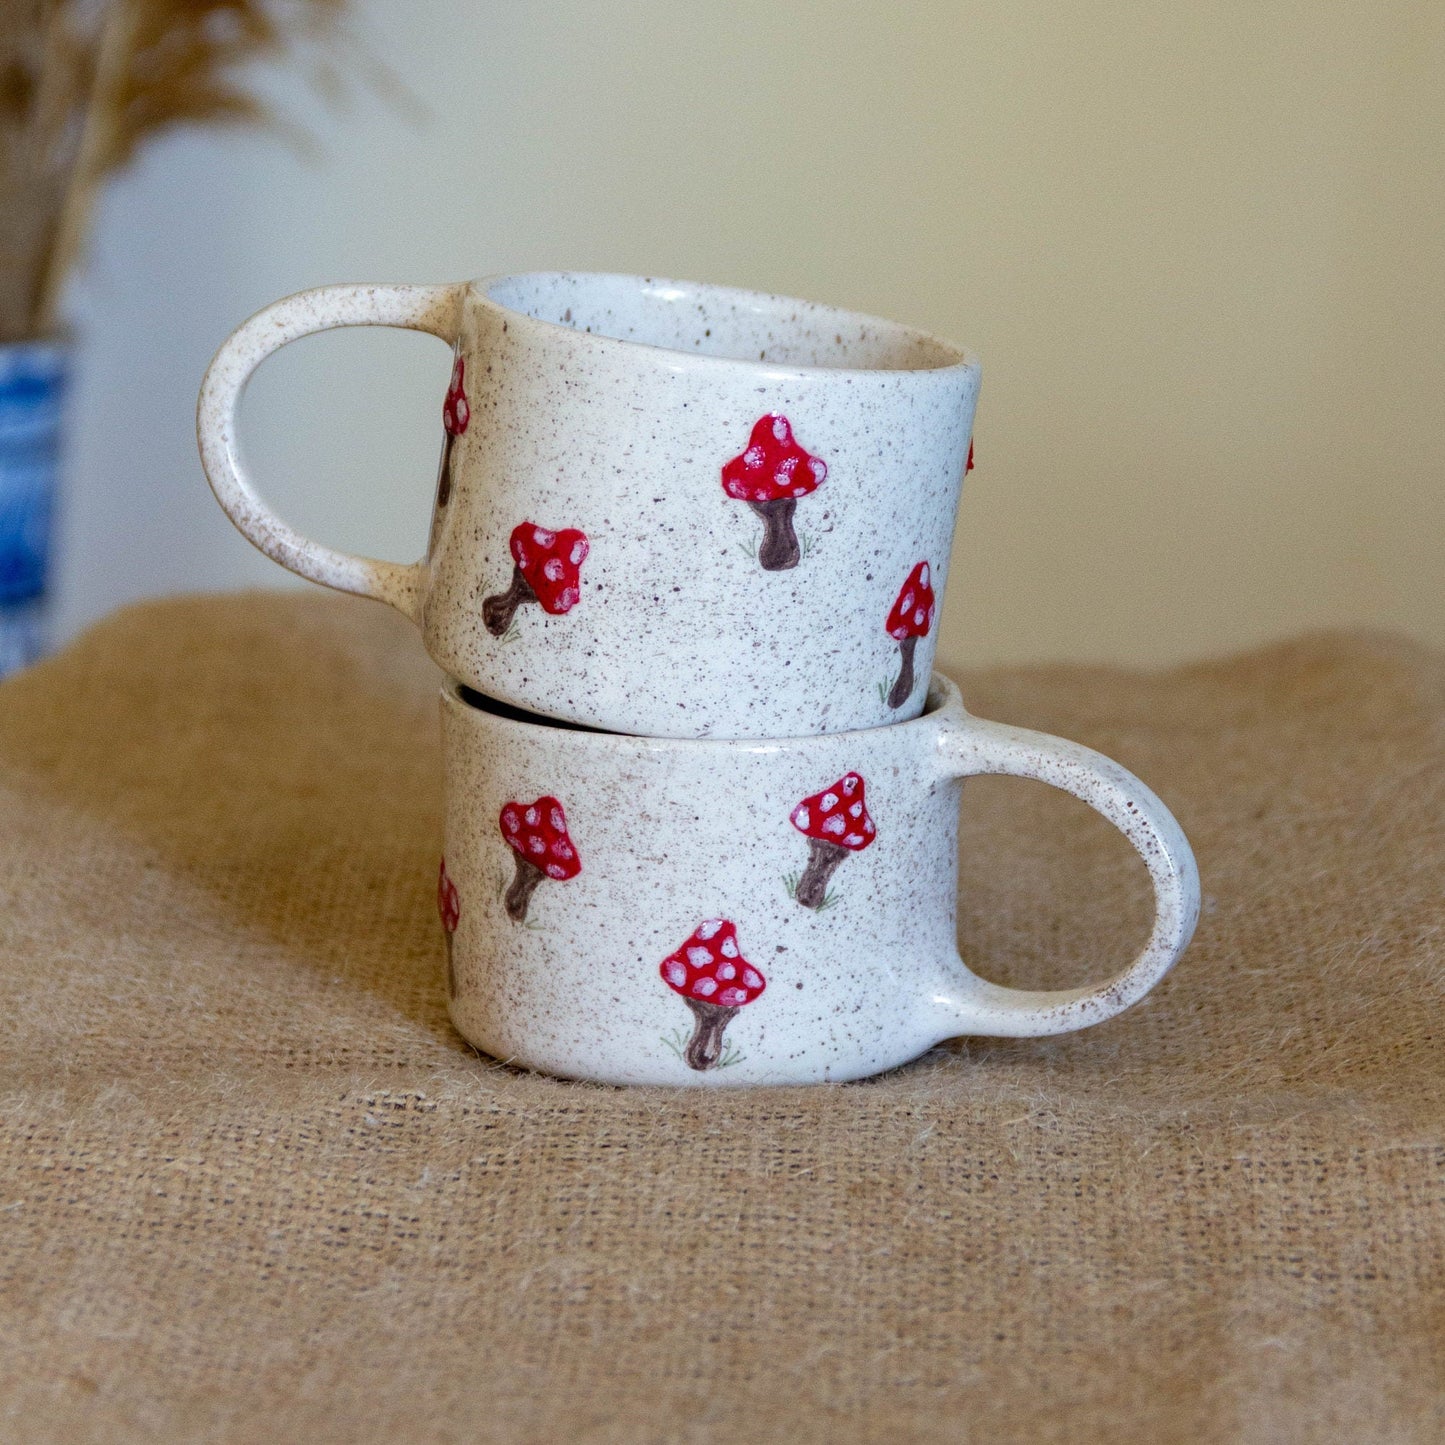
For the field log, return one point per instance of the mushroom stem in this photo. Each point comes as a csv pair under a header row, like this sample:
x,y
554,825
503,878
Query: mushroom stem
x,y
705,1047
779,549
823,860
498,611
444,486
904,686
519,893
451,970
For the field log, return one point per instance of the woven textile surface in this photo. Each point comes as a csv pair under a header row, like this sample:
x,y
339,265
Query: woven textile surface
x,y
254,1187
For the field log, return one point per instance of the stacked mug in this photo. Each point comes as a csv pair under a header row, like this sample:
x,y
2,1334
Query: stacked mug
x,y
702,786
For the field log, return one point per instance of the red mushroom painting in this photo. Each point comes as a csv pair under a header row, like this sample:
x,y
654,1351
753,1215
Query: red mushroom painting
x,y
455,415
546,569
910,619
836,823
715,981
537,833
770,476
449,906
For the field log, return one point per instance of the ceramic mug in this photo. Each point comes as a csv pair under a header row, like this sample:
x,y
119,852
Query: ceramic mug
x,y
669,911
663,508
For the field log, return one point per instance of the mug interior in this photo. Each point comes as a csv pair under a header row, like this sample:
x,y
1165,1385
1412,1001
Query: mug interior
x,y
721,322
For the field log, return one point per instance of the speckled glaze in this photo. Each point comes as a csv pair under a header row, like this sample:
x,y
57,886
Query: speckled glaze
x,y
755,480
674,939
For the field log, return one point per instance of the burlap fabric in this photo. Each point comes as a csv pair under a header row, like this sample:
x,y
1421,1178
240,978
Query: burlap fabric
x,y
253,1187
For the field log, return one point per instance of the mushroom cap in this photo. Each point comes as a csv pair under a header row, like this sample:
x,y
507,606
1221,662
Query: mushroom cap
x,y
709,967
456,412
773,466
449,903
837,815
538,831
913,612
552,564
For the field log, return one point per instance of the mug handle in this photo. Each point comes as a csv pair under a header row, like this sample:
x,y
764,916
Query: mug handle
x,y
973,746
434,309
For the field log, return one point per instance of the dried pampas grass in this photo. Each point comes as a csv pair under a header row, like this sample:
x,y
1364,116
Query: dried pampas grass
x,y
85,83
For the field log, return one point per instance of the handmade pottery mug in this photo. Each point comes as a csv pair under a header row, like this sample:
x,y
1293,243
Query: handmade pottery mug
x,y
679,911
663,508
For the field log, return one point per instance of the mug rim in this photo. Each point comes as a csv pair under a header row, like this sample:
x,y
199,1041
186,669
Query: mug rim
x,y
943,697
959,358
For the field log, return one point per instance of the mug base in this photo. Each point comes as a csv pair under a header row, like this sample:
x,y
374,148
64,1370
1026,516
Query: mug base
x,y
671,1070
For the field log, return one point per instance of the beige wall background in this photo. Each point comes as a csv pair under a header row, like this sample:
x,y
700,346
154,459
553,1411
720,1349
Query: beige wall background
x,y
1200,249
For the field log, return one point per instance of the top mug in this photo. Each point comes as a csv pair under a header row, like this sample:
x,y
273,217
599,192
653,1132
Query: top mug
x,y
663,508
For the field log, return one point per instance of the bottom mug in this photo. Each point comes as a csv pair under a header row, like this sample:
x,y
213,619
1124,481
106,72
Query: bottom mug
x,y
665,911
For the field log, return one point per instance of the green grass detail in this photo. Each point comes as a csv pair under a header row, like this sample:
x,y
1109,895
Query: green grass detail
x,y
830,899
678,1041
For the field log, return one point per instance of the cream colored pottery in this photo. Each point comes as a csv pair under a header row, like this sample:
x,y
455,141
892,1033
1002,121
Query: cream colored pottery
x,y
663,911
663,508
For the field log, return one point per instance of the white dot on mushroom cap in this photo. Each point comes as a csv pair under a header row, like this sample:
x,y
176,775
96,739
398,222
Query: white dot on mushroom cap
x,y
568,597
906,602
732,997
868,825
560,849
579,551
556,870
509,821
698,956
556,819
709,928
463,412
850,784
542,537
553,570
828,802
852,840
786,468
801,817
728,948
918,618
761,495
536,845
726,971
930,616
705,986
519,552
855,810
835,824
532,816
898,633
818,467
923,575
753,980
780,428
753,458
800,491
676,973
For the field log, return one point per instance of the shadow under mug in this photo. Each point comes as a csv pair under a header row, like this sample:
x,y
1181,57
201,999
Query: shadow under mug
x,y
662,911
663,508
